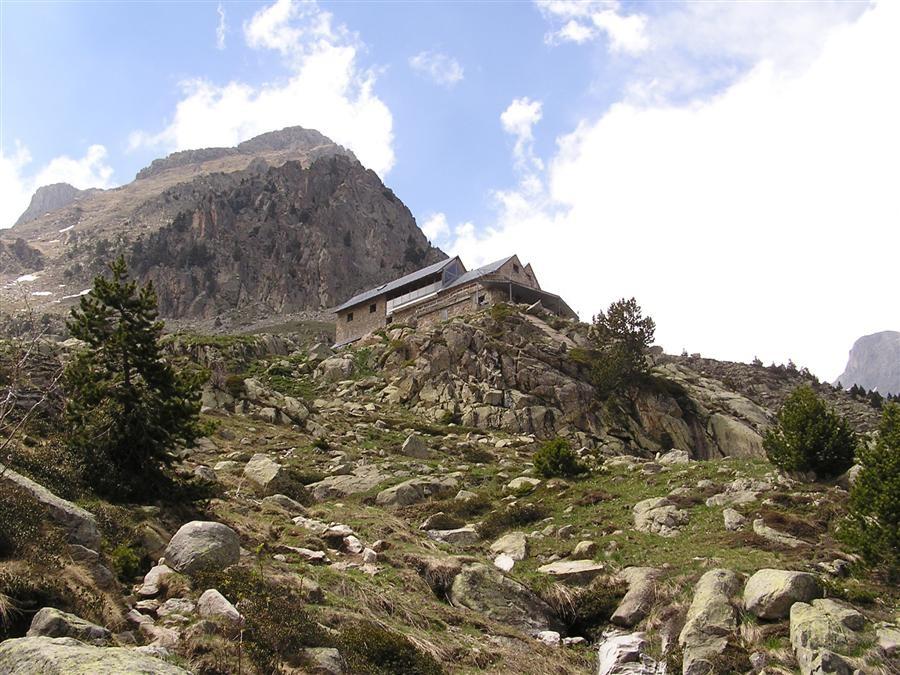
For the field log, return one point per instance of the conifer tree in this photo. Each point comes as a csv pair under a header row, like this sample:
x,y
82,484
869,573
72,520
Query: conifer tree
x,y
126,408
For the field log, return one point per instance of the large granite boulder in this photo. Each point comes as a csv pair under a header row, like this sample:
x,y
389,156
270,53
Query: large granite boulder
x,y
821,631
203,545
487,591
362,479
52,622
711,621
267,474
770,593
68,656
659,516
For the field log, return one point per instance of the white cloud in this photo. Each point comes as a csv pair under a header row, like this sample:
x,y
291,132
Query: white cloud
x,y
439,68
585,21
436,227
757,222
326,90
17,185
518,120
221,27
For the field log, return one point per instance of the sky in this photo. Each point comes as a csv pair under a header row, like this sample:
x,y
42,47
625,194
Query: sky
x,y
732,165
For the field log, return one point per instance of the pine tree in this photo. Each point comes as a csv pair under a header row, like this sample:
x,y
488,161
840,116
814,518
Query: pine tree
x,y
873,526
621,336
127,408
810,436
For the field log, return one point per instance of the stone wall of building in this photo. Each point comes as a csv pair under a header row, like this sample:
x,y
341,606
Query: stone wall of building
x,y
365,319
459,301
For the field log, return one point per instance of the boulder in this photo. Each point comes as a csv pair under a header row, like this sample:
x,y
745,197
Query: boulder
x,y
279,502
414,446
711,620
461,536
513,544
674,457
639,599
266,473
733,520
80,525
441,521
734,438
522,484
625,654
323,661
486,590
67,656
774,536
826,624
154,581
214,605
203,545
52,622
659,516
334,369
363,479
770,593
585,549
573,571
415,490
888,640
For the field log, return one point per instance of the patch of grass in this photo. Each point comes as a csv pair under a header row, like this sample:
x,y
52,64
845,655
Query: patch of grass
x,y
585,611
126,563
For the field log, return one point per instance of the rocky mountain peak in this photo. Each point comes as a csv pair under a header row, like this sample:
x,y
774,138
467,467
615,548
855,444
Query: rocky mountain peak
x,y
874,363
50,198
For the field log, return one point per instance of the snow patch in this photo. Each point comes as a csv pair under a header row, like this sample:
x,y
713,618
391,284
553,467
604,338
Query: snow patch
x,y
26,278
66,229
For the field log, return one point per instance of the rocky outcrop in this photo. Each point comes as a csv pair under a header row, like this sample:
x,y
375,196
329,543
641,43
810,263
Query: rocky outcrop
x,y
487,591
67,656
874,363
202,545
822,632
266,473
415,490
659,516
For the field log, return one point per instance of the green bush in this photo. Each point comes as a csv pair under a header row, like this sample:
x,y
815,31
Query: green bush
x,y
515,515
873,525
810,436
620,338
125,563
234,385
372,649
555,459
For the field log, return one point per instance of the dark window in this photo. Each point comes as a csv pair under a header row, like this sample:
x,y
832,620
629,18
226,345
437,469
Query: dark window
x,y
372,308
481,299
349,317
515,268
390,319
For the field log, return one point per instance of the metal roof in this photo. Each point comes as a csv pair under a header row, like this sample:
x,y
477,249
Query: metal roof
x,y
490,268
396,283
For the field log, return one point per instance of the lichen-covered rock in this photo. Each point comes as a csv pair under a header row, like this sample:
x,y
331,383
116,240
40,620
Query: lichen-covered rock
x,y
770,593
214,605
203,545
513,544
711,620
486,590
67,656
573,571
52,622
267,473
774,536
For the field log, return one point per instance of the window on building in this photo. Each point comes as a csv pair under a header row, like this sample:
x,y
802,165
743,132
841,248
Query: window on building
x,y
515,268
349,317
444,315
482,298
390,319
372,308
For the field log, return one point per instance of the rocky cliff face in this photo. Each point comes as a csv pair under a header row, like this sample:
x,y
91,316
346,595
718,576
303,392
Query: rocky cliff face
x,y
285,222
50,198
874,363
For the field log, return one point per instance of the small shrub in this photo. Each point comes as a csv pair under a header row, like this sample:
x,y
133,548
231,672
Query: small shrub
x,y
370,648
809,436
516,515
555,459
477,455
321,443
125,563
25,528
502,311
234,385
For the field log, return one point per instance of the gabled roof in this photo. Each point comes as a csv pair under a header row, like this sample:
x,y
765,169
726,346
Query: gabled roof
x,y
472,275
396,283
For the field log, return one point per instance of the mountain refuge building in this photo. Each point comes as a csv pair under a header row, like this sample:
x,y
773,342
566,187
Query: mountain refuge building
x,y
441,291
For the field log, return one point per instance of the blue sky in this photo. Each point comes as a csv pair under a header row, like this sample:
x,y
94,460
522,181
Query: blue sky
x,y
713,159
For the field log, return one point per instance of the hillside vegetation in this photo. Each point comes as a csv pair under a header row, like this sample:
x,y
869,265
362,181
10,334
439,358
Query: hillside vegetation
x,y
460,499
